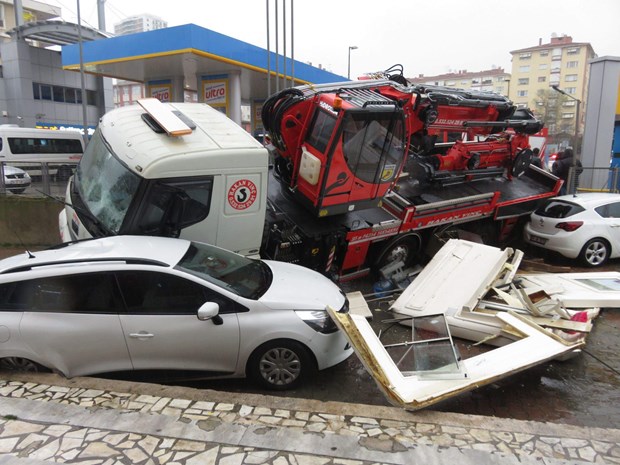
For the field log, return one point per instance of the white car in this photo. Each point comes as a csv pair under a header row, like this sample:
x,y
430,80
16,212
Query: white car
x,y
149,303
584,226
16,180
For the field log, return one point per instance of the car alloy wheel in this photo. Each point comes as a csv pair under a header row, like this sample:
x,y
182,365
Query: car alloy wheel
x,y
280,365
595,252
19,364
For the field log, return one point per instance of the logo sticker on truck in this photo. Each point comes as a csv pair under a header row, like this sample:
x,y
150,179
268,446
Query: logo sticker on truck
x,y
242,194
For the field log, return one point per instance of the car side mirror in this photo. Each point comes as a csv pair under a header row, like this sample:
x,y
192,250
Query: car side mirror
x,y
210,311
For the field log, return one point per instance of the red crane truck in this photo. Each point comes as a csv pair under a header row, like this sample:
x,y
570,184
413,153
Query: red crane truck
x,y
361,173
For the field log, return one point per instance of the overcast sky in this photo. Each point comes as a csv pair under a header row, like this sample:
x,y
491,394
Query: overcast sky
x,y
426,37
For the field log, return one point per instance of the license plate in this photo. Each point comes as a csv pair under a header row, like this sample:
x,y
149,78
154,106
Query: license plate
x,y
538,240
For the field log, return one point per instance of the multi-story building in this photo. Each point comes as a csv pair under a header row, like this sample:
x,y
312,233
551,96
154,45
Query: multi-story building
x,y
139,23
128,92
33,11
495,79
562,64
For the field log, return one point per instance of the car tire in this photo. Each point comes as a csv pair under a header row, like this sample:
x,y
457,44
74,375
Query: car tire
x,y
17,191
280,364
595,252
18,364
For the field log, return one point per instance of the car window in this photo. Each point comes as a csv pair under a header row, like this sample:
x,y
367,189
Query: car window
x,y
148,292
83,293
559,209
611,210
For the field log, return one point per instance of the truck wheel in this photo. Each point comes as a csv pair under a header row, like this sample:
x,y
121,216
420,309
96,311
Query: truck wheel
x,y
595,252
404,249
280,364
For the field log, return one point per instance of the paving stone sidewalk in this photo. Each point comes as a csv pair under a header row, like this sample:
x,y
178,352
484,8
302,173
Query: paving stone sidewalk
x,y
47,418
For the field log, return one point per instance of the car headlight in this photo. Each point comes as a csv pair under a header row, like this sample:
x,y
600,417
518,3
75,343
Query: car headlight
x,y
319,320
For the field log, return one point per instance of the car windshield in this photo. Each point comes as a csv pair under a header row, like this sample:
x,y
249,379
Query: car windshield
x,y
236,273
106,197
559,209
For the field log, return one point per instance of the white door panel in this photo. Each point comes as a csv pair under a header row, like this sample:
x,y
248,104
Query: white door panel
x,y
182,342
75,343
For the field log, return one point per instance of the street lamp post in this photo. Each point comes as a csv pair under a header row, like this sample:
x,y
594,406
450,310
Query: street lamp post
x,y
351,47
578,103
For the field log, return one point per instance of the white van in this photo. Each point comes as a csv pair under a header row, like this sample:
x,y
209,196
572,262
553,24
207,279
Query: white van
x,y
29,148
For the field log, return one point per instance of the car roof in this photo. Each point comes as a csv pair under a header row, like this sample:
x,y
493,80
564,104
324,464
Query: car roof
x,y
138,249
589,199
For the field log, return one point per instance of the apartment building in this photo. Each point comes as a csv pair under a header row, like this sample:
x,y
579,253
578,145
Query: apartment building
x,y
32,11
139,23
128,92
495,79
560,63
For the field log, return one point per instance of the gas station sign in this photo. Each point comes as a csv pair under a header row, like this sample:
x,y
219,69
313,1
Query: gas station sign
x,y
161,90
215,92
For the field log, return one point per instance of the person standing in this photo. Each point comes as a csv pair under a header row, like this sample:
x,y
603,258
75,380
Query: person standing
x,y
561,168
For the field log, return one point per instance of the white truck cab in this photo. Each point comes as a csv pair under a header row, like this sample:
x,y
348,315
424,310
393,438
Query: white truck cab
x,y
170,169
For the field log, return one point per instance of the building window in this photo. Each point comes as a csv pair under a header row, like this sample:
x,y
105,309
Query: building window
x,y
542,78
570,78
522,93
557,53
570,103
543,66
69,95
525,56
571,90
572,64
46,92
2,25
544,53
464,83
524,81
61,94
572,51
450,83
568,115
524,69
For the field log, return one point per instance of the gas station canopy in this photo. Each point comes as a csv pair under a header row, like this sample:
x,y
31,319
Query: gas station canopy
x,y
184,54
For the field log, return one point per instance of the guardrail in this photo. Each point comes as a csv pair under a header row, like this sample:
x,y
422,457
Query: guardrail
x,y
35,179
598,180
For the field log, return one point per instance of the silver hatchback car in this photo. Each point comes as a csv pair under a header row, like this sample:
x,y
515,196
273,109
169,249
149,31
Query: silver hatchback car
x,y
149,303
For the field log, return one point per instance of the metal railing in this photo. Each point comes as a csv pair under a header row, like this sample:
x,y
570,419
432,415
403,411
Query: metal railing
x,y
593,180
35,179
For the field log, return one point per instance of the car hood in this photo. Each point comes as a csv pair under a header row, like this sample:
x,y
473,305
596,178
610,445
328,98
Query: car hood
x,y
12,170
298,288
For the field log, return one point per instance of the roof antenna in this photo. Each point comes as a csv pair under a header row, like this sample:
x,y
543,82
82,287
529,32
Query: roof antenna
x,y
22,244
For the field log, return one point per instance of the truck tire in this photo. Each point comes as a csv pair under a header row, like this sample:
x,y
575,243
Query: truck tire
x,y
405,249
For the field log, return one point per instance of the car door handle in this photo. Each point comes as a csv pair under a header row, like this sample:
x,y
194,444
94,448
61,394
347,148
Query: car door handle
x,y
141,335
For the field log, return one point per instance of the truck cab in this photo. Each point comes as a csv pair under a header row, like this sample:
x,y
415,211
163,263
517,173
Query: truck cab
x,y
176,170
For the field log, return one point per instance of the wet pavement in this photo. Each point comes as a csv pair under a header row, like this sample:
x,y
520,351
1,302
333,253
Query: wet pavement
x,y
48,419
584,390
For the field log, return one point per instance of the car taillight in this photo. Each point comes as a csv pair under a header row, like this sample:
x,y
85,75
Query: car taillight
x,y
569,225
